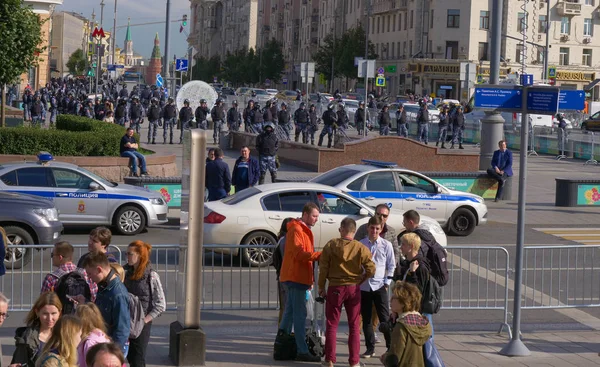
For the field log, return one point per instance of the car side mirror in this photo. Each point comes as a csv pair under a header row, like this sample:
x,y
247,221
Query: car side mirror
x,y
439,189
363,212
94,186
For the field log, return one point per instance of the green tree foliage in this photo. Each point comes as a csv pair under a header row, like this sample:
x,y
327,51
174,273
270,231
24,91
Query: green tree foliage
x,y
77,62
20,39
206,69
273,62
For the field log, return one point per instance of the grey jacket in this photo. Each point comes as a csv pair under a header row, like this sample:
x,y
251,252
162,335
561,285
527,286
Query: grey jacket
x,y
27,345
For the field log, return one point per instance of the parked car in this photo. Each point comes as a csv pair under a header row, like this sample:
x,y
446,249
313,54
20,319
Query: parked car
x,y
253,216
258,95
84,198
412,109
241,91
382,182
28,220
287,95
592,123
272,91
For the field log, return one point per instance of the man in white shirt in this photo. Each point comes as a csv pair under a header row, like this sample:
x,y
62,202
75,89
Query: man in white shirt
x,y
374,291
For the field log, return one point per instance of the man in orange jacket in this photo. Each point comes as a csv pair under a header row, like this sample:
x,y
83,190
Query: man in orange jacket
x,y
297,276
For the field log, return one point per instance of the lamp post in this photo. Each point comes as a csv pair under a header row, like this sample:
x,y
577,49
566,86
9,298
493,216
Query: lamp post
x,y
114,37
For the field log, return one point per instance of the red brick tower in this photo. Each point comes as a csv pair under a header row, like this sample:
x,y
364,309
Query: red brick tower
x,y
155,65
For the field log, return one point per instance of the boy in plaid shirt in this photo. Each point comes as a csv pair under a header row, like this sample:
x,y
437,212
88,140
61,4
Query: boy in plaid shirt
x,y
62,259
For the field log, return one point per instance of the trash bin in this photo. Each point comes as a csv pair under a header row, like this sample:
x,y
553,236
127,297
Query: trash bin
x,y
168,187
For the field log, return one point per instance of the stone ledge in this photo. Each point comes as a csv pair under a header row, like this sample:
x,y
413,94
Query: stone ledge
x,y
111,168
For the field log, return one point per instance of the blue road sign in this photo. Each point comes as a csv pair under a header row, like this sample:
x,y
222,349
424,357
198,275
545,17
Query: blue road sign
x,y
111,67
571,100
502,98
284,80
527,79
380,70
120,66
542,101
181,65
159,80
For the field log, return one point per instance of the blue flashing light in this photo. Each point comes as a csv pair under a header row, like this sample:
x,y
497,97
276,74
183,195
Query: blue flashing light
x,y
381,164
44,157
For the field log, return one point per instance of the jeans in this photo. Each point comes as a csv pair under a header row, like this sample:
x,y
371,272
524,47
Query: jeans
x,y
282,299
348,296
500,178
442,133
137,347
403,130
216,194
120,121
327,130
132,155
218,126
136,124
561,141
384,130
152,128
430,318
169,124
379,298
36,120
423,133
295,313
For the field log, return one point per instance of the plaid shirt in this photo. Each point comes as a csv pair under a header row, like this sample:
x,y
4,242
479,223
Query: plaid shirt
x,y
51,279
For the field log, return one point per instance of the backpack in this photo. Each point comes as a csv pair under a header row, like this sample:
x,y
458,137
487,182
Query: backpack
x,y
71,285
136,315
435,255
432,296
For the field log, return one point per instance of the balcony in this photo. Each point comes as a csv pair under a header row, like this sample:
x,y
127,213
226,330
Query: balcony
x,y
568,7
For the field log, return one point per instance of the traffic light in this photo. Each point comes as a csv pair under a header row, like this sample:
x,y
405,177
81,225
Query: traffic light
x,y
184,23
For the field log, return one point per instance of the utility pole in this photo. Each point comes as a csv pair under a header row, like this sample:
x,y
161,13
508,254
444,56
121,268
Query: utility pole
x,y
547,50
90,65
114,37
167,31
101,13
368,4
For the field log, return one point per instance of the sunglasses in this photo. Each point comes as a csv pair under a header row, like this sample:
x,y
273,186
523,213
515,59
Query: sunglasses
x,y
383,215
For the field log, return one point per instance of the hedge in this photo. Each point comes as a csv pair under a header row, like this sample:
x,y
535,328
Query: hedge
x,y
73,136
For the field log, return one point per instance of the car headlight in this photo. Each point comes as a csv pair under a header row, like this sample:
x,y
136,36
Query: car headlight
x,y
157,201
50,214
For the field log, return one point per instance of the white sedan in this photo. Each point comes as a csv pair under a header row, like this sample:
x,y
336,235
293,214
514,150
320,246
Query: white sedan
x,y
254,216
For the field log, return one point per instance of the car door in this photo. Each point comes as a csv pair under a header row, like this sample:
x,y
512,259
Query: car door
x,y
377,188
34,180
421,194
75,200
593,123
288,204
333,208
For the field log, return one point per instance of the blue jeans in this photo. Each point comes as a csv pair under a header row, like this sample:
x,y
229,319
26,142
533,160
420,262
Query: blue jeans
x,y
423,133
403,130
295,313
430,318
132,155
384,130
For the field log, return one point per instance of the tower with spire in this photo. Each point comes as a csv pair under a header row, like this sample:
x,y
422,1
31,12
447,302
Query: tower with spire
x,y
128,46
155,65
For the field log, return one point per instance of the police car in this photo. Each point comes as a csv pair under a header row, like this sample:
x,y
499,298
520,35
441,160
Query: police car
x,y
84,198
382,182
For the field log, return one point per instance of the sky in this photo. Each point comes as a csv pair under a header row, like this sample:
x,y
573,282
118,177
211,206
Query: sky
x,y
140,11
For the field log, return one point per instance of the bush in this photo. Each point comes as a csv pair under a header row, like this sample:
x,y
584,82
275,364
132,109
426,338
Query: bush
x,y
73,136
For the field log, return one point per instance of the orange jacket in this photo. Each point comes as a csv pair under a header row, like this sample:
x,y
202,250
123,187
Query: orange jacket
x,y
299,254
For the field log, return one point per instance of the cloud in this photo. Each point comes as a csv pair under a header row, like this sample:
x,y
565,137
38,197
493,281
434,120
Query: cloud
x,y
140,12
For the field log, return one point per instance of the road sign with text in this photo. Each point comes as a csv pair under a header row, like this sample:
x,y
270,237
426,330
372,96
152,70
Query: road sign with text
x,y
542,101
571,100
499,97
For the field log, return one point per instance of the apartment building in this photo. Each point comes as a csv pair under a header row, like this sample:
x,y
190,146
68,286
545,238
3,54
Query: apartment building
x,y
68,35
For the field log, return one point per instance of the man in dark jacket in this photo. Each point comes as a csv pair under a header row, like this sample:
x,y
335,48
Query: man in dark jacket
x,y
201,113
186,116
169,120
458,127
329,120
267,145
135,112
245,171
283,119
443,126
218,117
401,121
301,120
234,119
154,113
384,121
218,178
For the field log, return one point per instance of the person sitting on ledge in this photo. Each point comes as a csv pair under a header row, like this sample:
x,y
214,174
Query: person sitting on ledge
x,y
128,148
501,167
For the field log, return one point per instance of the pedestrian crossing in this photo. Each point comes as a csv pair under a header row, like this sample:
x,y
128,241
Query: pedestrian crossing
x,y
586,236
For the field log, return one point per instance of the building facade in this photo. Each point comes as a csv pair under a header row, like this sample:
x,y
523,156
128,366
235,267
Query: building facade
x,y
68,35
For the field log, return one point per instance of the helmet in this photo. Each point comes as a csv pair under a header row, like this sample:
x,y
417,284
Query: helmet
x,y
341,104
154,100
422,102
234,103
201,101
400,105
257,106
302,104
135,98
560,115
170,99
330,106
371,96
219,100
283,104
186,101
361,103
269,124
298,91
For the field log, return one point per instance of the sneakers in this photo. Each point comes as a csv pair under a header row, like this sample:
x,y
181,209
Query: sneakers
x,y
359,364
307,358
326,364
377,340
145,174
368,354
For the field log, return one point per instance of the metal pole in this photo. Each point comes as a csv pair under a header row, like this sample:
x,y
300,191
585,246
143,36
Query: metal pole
x,y
547,49
516,347
101,13
114,39
167,31
93,49
496,42
190,62
368,4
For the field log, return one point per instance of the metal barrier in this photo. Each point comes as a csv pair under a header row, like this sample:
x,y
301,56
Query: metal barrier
x,y
592,160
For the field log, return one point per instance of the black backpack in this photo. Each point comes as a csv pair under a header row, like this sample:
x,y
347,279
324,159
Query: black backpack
x,y
435,255
71,284
432,296
277,261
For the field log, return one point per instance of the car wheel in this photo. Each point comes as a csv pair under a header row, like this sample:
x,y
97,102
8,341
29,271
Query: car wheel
x,y
259,257
462,222
19,256
130,220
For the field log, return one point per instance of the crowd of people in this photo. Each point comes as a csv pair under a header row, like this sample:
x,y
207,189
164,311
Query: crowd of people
x,y
355,273
96,313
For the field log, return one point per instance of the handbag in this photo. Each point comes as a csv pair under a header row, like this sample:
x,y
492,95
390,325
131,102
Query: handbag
x,y
431,355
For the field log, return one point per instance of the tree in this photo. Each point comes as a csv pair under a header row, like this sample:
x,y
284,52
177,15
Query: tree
x,y
325,54
206,69
273,62
20,40
77,62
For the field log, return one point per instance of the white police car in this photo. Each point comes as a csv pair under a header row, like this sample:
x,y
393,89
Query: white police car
x,y
381,182
84,198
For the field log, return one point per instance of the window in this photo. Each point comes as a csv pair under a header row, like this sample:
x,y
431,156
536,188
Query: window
x,y
484,19
521,22
519,55
453,18
335,204
483,51
589,2
404,48
37,177
68,179
412,18
293,201
356,185
393,50
381,181
588,27
382,24
405,23
452,50
565,25
587,57
564,56
10,178
540,56
240,196
271,202
394,23
431,22
413,183
542,24
388,22
378,23
410,48
334,177
399,21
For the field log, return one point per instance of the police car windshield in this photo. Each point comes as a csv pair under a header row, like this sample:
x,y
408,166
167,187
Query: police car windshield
x,y
100,179
334,177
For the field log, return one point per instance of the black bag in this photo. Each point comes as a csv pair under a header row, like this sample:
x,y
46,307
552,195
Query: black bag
x,y
277,259
284,348
432,297
315,344
71,284
435,255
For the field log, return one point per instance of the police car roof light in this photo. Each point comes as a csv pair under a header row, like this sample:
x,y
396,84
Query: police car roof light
x,y
382,164
44,157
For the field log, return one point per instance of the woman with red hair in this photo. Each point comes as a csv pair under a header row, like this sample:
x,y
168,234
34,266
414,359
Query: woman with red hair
x,y
142,281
